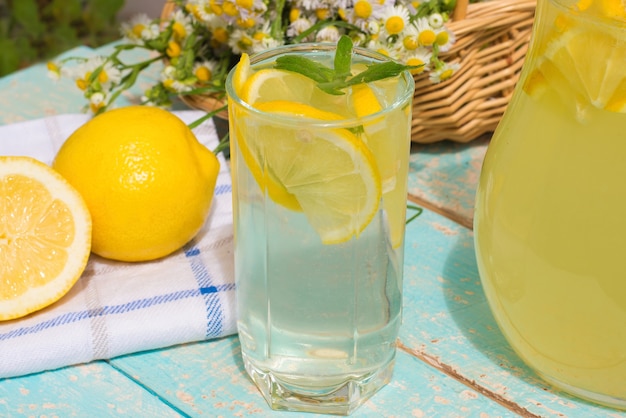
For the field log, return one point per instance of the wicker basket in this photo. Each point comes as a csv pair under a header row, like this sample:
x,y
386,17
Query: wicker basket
x,y
491,42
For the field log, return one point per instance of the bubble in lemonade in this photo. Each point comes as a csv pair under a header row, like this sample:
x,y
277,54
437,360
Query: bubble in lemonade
x,y
550,209
319,204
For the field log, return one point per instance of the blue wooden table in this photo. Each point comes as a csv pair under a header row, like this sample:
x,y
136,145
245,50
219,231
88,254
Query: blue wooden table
x,y
452,359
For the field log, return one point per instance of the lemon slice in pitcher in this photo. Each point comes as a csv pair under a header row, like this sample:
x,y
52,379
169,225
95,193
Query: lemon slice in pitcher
x,y
330,172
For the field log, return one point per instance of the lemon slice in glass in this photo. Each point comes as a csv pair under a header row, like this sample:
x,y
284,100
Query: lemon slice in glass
x,y
330,172
45,236
388,154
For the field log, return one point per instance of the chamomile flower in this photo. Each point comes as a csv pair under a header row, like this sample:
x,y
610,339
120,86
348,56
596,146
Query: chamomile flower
x,y
418,57
328,34
435,20
444,39
181,26
54,70
169,80
298,26
204,71
410,38
97,101
383,47
139,29
394,19
364,11
444,72
223,29
240,41
426,34
107,74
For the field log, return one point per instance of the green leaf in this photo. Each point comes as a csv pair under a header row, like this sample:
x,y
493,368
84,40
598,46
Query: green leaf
x,y
333,81
379,72
298,64
26,13
343,58
9,59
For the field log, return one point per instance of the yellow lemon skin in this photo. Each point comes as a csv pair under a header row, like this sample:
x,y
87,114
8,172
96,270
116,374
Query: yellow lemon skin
x,y
147,181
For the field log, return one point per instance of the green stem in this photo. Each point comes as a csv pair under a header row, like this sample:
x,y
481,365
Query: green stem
x,y
415,208
321,25
277,24
209,115
223,145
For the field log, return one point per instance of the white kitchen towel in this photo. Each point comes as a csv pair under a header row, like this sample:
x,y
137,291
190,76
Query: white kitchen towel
x,y
118,308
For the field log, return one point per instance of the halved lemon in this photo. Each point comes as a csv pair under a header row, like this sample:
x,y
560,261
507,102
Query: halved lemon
x,y
45,236
329,171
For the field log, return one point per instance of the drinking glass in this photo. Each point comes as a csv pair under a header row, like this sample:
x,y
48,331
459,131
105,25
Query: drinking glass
x,y
319,215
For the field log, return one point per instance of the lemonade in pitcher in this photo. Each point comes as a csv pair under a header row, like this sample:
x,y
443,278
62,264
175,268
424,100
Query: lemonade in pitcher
x,y
550,220
320,182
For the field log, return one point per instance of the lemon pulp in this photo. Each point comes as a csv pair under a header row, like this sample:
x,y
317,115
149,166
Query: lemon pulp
x,y
45,236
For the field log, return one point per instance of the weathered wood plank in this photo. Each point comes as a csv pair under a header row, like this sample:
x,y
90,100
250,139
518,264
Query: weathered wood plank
x,y
208,379
91,390
443,177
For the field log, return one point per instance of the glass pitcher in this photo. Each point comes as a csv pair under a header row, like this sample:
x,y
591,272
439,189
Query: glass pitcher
x,y
550,219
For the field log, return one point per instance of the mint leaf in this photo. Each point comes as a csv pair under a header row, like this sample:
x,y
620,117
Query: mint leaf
x,y
343,58
309,68
334,80
379,71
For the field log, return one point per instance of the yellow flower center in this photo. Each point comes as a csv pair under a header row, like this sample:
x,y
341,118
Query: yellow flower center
x,y
259,36
294,14
81,83
442,38
426,37
383,52
362,9
173,49
246,23
246,4
322,14
394,25
138,29
230,8
168,84
220,35
416,62
410,42
342,14
178,29
446,74
52,67
203,74
244,44
103,77
96,106
216,8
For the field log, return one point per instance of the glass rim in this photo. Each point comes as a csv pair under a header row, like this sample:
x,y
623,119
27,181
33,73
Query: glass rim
x,y
405,97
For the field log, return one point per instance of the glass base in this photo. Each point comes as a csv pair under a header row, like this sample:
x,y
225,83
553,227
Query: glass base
x,y
284,393
610,401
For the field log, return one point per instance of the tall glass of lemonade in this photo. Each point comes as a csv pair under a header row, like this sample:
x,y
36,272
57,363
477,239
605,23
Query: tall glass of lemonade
x,y
550,221
319,189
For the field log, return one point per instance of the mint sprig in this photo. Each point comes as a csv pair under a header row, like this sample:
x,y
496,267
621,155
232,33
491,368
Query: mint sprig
x,y
335,80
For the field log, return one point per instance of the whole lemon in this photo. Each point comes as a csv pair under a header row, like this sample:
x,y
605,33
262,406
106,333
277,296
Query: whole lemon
x,y
147,181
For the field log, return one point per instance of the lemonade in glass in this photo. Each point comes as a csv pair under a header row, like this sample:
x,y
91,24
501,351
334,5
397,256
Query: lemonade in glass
x,y
550,222
319,196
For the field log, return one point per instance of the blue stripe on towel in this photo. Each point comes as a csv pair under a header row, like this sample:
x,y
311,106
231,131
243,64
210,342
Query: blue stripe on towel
x,y
214,312
72,317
